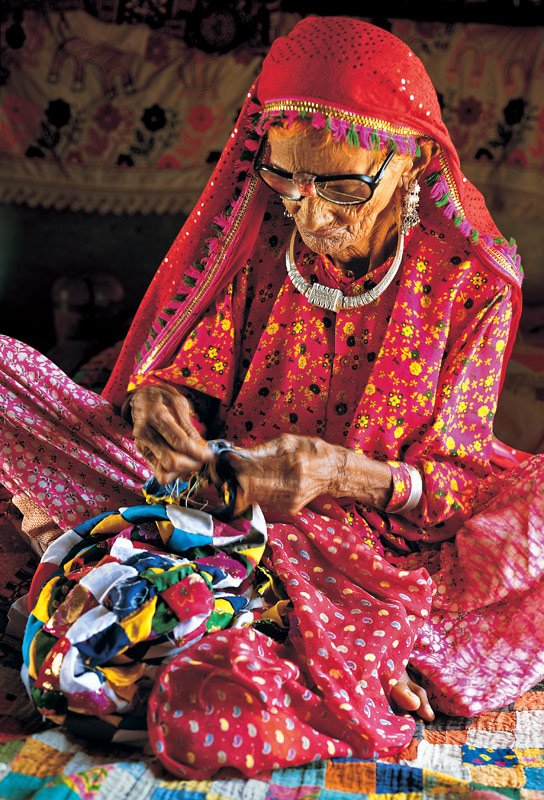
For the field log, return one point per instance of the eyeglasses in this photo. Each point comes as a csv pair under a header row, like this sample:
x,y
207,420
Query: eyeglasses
x,y
345,190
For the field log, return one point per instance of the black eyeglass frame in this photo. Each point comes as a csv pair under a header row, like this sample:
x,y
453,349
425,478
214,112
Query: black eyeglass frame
x,y
372,181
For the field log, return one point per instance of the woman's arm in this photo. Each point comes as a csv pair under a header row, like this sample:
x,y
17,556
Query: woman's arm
x,y
290,471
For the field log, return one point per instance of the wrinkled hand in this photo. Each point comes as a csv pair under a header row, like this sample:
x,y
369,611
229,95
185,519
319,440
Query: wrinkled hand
x,y
288,472
164,433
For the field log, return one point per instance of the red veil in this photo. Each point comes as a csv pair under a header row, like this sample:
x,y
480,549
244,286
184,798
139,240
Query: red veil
x,y
368,88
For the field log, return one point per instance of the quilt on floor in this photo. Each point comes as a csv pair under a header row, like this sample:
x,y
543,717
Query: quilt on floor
x,y
501,751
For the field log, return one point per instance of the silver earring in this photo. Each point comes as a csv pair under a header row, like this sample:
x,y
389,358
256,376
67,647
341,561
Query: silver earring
x,y
287,215
410,217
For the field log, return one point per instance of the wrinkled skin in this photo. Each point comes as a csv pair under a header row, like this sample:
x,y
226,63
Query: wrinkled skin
x,y
290,471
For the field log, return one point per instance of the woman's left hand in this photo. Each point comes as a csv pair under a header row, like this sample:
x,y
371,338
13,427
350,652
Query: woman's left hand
x,y
290,471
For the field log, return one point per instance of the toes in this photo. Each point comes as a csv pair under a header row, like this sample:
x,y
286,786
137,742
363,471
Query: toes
x,y
404,697
424,709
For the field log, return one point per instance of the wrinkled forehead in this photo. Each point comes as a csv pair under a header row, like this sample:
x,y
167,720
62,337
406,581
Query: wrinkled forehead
x,y
306,149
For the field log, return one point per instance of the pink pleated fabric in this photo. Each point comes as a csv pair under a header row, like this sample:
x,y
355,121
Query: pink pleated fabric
x,y
62,445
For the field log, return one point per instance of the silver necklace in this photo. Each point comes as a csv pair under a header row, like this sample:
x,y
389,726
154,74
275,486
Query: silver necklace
x,y
334,299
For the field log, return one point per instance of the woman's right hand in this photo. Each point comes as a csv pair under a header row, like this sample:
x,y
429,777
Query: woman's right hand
x,y
165,434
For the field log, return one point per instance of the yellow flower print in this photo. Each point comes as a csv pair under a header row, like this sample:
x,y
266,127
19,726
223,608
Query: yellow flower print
x,y
370,389
415,368
428,467
483,411
349,328
219,366
425,301
408,330
225,324
421,266
272,328
188,343
398,432
418,287
501,344
478,280
298,327
489,381
212,352
477,446
450,443
395,399
446,390
454,485
302,362
462,407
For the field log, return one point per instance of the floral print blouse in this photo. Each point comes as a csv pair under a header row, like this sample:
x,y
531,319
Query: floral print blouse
x,y
413,376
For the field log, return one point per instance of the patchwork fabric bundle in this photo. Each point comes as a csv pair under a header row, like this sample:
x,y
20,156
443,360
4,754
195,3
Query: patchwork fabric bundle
x,y
123,592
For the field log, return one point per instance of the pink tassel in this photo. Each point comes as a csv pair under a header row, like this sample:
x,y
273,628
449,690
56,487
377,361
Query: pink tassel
x,y
291,115
339,129
449,209
221,220
364,136
465,228
439,189
318,120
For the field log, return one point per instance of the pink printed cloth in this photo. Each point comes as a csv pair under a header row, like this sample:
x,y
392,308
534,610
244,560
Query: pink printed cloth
x,y
61,444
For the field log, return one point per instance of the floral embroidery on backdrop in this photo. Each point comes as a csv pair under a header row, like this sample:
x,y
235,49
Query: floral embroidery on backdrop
x,y
127,108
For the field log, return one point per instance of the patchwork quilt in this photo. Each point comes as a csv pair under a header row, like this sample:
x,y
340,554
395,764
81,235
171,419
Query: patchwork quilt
x,y
497,754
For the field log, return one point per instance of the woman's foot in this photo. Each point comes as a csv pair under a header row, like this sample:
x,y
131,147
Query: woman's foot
x,y
409,696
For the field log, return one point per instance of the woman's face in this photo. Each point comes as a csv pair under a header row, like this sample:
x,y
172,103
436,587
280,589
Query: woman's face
x,y
345,233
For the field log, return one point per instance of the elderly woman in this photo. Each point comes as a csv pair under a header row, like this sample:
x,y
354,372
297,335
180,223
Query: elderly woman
x,y
339,306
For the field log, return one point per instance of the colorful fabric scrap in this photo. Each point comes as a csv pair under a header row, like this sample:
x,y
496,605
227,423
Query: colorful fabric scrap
x,y
117,595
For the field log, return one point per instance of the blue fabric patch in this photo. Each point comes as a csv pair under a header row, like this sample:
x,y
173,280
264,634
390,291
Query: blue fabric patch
x,y
180,541
145,560
103,645
485,756
534,778
16,786
139,514
86,527
33,626
124,598
162,793
391,778
306,775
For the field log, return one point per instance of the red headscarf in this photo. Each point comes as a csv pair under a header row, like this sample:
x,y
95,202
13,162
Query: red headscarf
x,y
368,88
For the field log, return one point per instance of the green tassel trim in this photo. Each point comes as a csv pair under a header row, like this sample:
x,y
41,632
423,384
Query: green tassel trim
x,y
457,220
200,267
431,179
443,200
328,124
303,114
179,298
418,151
162,322
474,236
512,241
375,139
189,280
499,240
352,136
392,144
